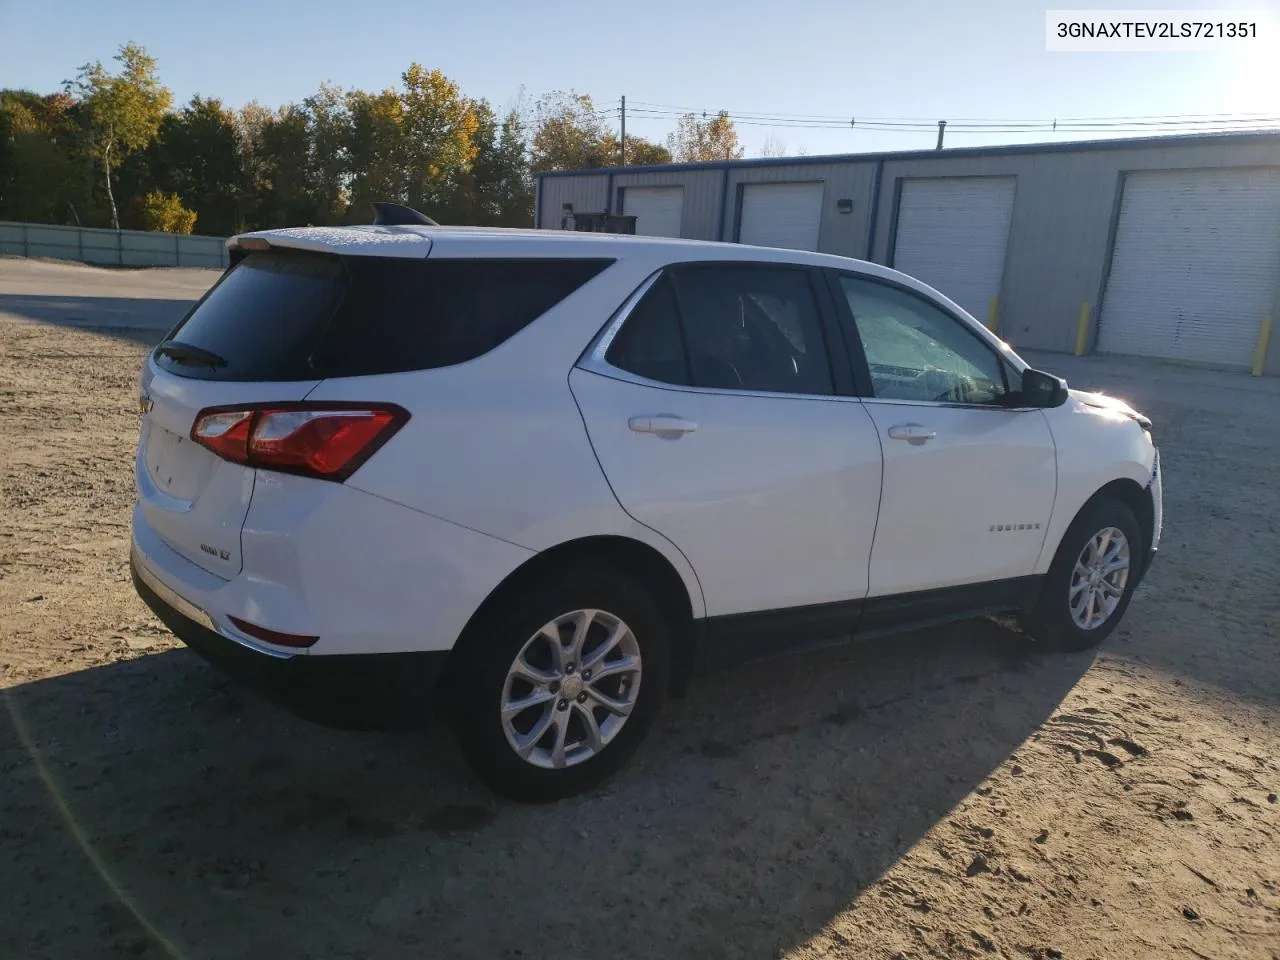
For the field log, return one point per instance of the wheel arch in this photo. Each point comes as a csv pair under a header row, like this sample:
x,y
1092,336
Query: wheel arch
x,y
1133,495
629,556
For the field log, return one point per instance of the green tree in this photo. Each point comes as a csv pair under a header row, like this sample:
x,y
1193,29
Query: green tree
x,y
165,212
198,156
328,132
696,140
376,149
277,148
40,174
123,110
497,188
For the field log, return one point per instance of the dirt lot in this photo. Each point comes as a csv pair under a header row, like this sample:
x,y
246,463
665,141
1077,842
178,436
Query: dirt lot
x,y
943,795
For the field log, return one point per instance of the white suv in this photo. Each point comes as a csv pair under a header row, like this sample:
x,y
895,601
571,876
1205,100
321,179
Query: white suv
x,y
545,477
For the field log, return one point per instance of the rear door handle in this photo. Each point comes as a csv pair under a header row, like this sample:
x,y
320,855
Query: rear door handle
x,y
912,431
661,424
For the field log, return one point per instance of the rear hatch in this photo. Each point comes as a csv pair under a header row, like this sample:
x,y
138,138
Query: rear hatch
x,y
247,341
276,325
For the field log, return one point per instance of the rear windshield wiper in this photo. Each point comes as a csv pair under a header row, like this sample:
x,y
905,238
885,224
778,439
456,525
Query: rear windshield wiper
x,y
185,353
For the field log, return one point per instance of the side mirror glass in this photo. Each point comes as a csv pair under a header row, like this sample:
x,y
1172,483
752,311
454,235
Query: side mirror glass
x,y
1040,389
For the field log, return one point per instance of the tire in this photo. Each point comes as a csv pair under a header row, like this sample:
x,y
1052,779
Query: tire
x,y
1052,622
484,683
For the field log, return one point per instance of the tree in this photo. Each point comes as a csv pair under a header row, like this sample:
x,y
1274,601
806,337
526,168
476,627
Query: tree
x,y
439,129
569,134
328,132
497,188
123,110
773,147
697,140
197,155
277,147
639,152
165,212
375,149
40,175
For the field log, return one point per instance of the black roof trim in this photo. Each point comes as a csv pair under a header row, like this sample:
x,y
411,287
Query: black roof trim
x,y
1072,146
398,215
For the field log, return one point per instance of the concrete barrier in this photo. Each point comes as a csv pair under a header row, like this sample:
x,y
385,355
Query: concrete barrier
x,y
122,248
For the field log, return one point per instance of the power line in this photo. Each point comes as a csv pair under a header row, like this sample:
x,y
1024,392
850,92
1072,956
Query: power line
x,y
836,120
993,126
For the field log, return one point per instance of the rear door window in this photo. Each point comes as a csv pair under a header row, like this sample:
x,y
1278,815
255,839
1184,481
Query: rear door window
x,y
294,315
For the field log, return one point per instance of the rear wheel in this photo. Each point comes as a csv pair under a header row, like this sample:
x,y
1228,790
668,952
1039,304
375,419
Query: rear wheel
x,y
1091,580
556,690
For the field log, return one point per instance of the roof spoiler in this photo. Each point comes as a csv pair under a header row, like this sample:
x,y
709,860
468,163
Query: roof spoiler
x,y
398,215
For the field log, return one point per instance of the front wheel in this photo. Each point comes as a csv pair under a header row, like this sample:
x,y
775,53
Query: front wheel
x,y
557,690
1091,580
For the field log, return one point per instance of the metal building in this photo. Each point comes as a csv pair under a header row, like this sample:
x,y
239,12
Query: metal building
x,y
1164,247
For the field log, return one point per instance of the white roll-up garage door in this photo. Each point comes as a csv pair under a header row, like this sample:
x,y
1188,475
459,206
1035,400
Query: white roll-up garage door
x,y
1195,267
781,215
657,209
952,233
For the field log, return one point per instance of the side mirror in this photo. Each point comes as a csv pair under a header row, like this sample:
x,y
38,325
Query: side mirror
x,y
1040,389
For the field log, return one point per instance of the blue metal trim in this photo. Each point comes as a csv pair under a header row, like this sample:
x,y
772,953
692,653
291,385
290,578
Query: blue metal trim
x,y
1128,143
875,213
724,203
537,202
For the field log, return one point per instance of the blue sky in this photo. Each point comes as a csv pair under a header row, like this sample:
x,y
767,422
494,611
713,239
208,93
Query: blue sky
x,y
906,58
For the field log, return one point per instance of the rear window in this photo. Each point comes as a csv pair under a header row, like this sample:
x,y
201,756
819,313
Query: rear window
x,y
294,315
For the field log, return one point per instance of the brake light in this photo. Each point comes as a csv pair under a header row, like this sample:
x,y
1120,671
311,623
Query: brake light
x,y
328,441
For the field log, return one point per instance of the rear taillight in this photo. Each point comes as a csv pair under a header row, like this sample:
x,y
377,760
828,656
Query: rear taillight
x,y
328,441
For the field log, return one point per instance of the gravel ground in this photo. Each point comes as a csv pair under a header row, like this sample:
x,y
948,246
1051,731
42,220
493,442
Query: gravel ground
x,y
947,794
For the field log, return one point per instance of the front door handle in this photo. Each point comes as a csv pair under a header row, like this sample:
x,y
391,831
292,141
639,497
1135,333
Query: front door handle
x,y
912,431
664,423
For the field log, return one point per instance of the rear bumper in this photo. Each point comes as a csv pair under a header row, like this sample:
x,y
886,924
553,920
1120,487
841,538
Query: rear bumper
x,y
352,691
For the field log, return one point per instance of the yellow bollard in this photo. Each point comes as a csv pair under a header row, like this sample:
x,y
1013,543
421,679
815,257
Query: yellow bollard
x,y
1082,331
991,314
1260,351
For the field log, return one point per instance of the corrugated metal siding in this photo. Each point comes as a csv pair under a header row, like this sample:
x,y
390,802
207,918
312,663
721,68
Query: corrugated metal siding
x,y
587,194
1059,238
701,197
839,233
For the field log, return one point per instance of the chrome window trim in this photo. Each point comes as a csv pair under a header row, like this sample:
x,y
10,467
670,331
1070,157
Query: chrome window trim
x,y
593,361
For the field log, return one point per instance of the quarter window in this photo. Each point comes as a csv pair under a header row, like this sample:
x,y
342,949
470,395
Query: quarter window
x,y
916,351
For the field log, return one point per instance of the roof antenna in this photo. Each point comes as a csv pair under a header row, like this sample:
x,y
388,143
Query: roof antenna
x,y
398,215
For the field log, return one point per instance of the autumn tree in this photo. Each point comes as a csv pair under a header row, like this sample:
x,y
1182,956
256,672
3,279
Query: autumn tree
x,y
639,151
696,140
123,110
569,133
165,213
439,130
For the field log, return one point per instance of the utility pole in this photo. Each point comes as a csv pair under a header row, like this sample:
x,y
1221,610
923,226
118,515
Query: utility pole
x,y
942,126
624,132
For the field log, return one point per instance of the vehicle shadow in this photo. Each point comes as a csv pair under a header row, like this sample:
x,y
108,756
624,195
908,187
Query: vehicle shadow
x,y
137,319
152,808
